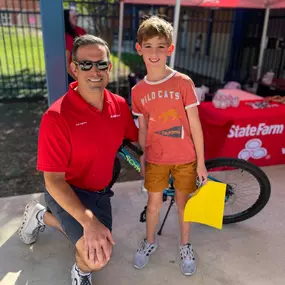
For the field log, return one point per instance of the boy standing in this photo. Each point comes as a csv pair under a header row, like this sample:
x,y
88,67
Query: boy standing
x,y
170,135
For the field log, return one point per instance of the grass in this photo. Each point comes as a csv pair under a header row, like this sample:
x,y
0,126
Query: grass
x,y
22,62
133,60
21,49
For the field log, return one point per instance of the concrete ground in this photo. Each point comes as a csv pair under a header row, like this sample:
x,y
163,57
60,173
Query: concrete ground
x,y
248,253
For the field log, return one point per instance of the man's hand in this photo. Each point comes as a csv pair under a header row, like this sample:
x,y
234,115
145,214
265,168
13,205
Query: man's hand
x,y
97,239
202,172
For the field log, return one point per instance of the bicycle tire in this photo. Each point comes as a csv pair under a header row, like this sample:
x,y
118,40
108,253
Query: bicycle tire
x,y
259,175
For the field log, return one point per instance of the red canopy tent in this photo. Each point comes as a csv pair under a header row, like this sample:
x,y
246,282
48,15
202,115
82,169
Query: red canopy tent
x,y
216,3
258,4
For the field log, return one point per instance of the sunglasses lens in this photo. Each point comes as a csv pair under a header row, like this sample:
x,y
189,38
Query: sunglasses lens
x,y
103,65
86,65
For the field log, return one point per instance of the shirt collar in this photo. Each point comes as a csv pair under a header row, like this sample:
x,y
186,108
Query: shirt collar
x,y
80,102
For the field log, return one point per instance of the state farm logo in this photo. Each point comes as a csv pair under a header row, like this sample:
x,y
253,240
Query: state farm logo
x,y
210,1
251,131
253,150
202,2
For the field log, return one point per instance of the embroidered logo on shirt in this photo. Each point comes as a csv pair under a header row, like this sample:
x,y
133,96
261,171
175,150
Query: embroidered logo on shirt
x,y
175,132
80,124
115,116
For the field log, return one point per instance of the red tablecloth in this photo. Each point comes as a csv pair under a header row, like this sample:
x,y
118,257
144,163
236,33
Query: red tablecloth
x,y
248,132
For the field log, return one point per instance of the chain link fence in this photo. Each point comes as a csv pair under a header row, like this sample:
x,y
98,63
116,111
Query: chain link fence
x,y
206,42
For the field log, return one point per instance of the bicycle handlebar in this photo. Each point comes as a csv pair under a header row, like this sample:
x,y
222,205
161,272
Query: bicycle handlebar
x,y
127,142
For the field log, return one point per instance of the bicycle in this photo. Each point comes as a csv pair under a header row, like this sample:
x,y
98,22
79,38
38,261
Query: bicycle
x,y
231,197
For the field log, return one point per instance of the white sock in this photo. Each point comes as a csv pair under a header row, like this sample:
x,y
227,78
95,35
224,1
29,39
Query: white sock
x,y
40,215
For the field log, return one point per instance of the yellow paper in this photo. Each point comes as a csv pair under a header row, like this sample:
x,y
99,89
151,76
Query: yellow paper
x,y
207,205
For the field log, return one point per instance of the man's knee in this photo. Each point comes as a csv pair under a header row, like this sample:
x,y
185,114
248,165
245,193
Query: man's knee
x,y
95,266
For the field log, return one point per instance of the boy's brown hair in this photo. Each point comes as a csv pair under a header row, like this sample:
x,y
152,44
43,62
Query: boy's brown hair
x,y
153,27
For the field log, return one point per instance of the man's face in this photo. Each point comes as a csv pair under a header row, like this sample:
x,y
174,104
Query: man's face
x,y
88,76
155,51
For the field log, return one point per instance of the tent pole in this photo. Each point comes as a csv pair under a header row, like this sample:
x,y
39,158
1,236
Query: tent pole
x,y
263,42
120,40
175,31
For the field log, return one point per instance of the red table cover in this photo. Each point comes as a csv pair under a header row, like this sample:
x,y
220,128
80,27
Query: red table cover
x,y
254,131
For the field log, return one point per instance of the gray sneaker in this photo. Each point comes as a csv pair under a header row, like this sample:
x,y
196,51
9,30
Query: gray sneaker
x,y
142,255
80,279
32,222
187,259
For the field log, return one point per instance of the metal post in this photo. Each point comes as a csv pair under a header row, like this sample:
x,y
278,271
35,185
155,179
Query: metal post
x,y
263,42
175,31
54,48
120,40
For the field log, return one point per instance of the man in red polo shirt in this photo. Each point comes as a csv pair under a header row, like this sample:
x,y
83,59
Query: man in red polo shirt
x,y
79,137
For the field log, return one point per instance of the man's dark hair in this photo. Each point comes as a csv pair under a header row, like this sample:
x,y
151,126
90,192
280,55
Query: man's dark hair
x,y
87,40
68,27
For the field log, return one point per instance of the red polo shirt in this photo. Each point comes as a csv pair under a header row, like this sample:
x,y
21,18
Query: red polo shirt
x,y
78,139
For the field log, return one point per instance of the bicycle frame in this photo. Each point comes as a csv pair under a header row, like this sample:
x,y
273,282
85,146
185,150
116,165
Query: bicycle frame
x,y
170,191
130,159
212,164
136,165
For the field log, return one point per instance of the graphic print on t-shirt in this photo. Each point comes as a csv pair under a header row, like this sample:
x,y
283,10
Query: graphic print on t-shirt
x,y
170,114
174,132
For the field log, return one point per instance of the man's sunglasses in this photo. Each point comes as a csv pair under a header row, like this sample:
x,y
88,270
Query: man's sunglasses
x,y
87,65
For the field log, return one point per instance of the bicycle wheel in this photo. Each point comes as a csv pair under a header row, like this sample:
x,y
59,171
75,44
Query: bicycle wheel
x,y
248,187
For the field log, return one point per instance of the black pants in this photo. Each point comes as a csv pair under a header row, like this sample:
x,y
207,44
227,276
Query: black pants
x,y
98,203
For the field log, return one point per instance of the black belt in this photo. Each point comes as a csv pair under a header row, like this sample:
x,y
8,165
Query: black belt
x,y
105,190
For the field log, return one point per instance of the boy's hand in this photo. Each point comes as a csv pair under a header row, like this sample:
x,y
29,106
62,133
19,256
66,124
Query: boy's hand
x,y
142,163
202,172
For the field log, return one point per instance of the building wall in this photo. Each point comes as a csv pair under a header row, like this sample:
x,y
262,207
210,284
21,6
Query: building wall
x,y
30,5
21,13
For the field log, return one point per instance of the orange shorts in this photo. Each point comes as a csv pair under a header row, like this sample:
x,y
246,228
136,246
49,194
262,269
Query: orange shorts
x,y
184,177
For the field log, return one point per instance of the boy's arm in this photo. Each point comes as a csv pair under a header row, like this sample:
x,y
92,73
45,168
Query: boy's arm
x,y
142,141
197,135
138,111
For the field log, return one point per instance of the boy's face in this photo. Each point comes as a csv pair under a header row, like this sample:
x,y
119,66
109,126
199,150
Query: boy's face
x,y
155,51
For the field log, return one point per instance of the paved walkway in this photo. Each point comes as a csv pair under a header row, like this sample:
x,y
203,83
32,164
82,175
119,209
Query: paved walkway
x,y
248,253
